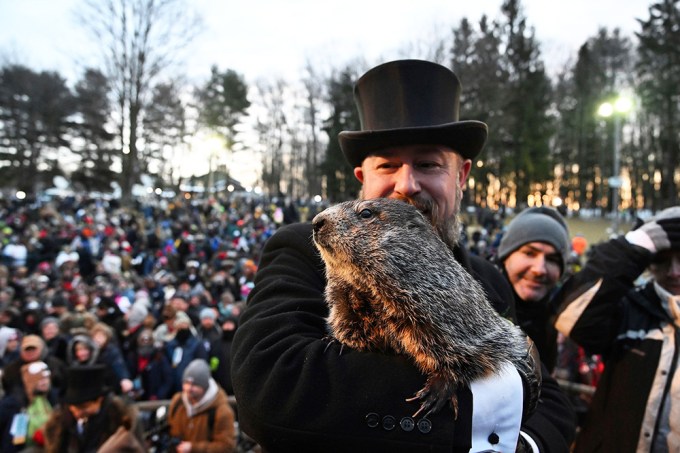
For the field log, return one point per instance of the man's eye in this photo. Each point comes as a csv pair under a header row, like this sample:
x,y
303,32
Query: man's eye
x,y
427,165
365,213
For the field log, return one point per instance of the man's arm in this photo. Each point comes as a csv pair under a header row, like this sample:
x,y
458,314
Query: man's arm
x,y
589,302
552,426
296,392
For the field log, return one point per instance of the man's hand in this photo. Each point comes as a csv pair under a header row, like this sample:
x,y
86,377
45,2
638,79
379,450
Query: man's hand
x,y
183,447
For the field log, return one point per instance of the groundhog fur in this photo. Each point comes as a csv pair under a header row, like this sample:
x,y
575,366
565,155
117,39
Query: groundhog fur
x,y
394,286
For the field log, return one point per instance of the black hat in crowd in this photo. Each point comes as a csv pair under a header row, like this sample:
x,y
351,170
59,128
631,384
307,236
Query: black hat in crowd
x,y
85,383
410,102
539,224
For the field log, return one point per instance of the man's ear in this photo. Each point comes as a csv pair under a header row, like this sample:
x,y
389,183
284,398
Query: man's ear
x,y
359,174
464,172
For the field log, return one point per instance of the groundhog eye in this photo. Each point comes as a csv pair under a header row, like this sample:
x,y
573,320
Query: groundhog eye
x,y
366,213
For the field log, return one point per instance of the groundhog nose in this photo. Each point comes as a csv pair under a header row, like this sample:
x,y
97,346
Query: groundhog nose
x,y
318,223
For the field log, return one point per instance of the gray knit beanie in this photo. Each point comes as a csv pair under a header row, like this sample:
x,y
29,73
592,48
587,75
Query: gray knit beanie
x,y
136,315
198,373
536,225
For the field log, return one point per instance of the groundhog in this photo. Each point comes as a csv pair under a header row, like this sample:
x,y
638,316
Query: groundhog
x,y
394,286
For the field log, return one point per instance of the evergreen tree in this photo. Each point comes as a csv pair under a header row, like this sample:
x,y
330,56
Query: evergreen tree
x,y
341,184
97,152
36,111
659,71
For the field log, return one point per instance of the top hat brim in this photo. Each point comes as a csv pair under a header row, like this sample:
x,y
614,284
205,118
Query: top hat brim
x,y
467,138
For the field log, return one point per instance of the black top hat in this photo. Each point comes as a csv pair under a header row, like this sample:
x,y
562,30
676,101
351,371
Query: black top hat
x,y
85,383
410,102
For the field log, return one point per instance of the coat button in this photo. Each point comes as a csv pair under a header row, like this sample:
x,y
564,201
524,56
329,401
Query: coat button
x,y
389,422
372,420
407,424
494,439
424,425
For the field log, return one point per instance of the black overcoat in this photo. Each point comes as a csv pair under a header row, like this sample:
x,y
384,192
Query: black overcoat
x,y
297,393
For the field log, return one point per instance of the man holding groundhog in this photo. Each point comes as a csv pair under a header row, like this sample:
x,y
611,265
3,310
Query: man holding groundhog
x,y
298,391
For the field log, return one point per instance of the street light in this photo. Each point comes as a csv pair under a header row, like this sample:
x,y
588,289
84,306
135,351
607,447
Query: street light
x,y
617,108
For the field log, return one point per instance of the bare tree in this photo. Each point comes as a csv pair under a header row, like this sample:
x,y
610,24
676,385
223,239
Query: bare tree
x,y
139,38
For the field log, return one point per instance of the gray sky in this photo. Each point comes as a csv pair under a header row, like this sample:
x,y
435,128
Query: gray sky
x,y
271,39
274,38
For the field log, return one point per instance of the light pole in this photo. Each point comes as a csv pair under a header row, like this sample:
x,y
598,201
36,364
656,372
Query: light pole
x,y
617,108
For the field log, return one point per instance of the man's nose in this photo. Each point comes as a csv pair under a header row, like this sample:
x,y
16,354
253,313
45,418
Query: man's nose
x,y
538,265
406,182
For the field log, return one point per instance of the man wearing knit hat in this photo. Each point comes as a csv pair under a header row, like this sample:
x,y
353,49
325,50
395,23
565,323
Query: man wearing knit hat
x,y
636,329
200,415
532,255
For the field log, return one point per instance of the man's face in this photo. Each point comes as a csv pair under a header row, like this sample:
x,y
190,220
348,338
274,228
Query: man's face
x,y
86,409
194,393
82,352
50,330
43,385
666,270
30,354
431,177
533,270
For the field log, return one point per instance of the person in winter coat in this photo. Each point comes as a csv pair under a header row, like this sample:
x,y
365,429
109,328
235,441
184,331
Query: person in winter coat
x,y
25,410
89,415
296,392
111,356
184,348
150,369
200,416
636,328
532,255
33,349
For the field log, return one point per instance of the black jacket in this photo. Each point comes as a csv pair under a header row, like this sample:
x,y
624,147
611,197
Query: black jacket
x,y
295,393
603,311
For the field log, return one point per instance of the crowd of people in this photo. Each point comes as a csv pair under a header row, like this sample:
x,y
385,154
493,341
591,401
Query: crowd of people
x,y
191,302
141,292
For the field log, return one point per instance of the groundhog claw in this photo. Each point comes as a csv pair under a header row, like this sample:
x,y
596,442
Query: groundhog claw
x,y
434,396
330,340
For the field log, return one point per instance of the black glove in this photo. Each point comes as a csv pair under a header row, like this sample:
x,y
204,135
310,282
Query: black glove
x,y
664,233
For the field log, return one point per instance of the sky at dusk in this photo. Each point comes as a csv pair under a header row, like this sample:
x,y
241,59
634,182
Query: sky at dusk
x,y
267,40
274,39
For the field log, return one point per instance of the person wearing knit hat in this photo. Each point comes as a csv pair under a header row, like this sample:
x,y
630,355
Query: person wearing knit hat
x,y
633,322
532,255
136,315
208,330
200,415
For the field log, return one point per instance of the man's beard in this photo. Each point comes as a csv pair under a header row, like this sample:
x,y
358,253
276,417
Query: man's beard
x,y
449,228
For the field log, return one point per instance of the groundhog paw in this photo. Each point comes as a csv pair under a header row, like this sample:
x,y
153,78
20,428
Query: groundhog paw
x,y
436,393
332,340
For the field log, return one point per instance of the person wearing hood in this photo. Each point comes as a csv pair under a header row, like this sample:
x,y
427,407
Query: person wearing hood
x,y
9,345
532,255
200,416
634,322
